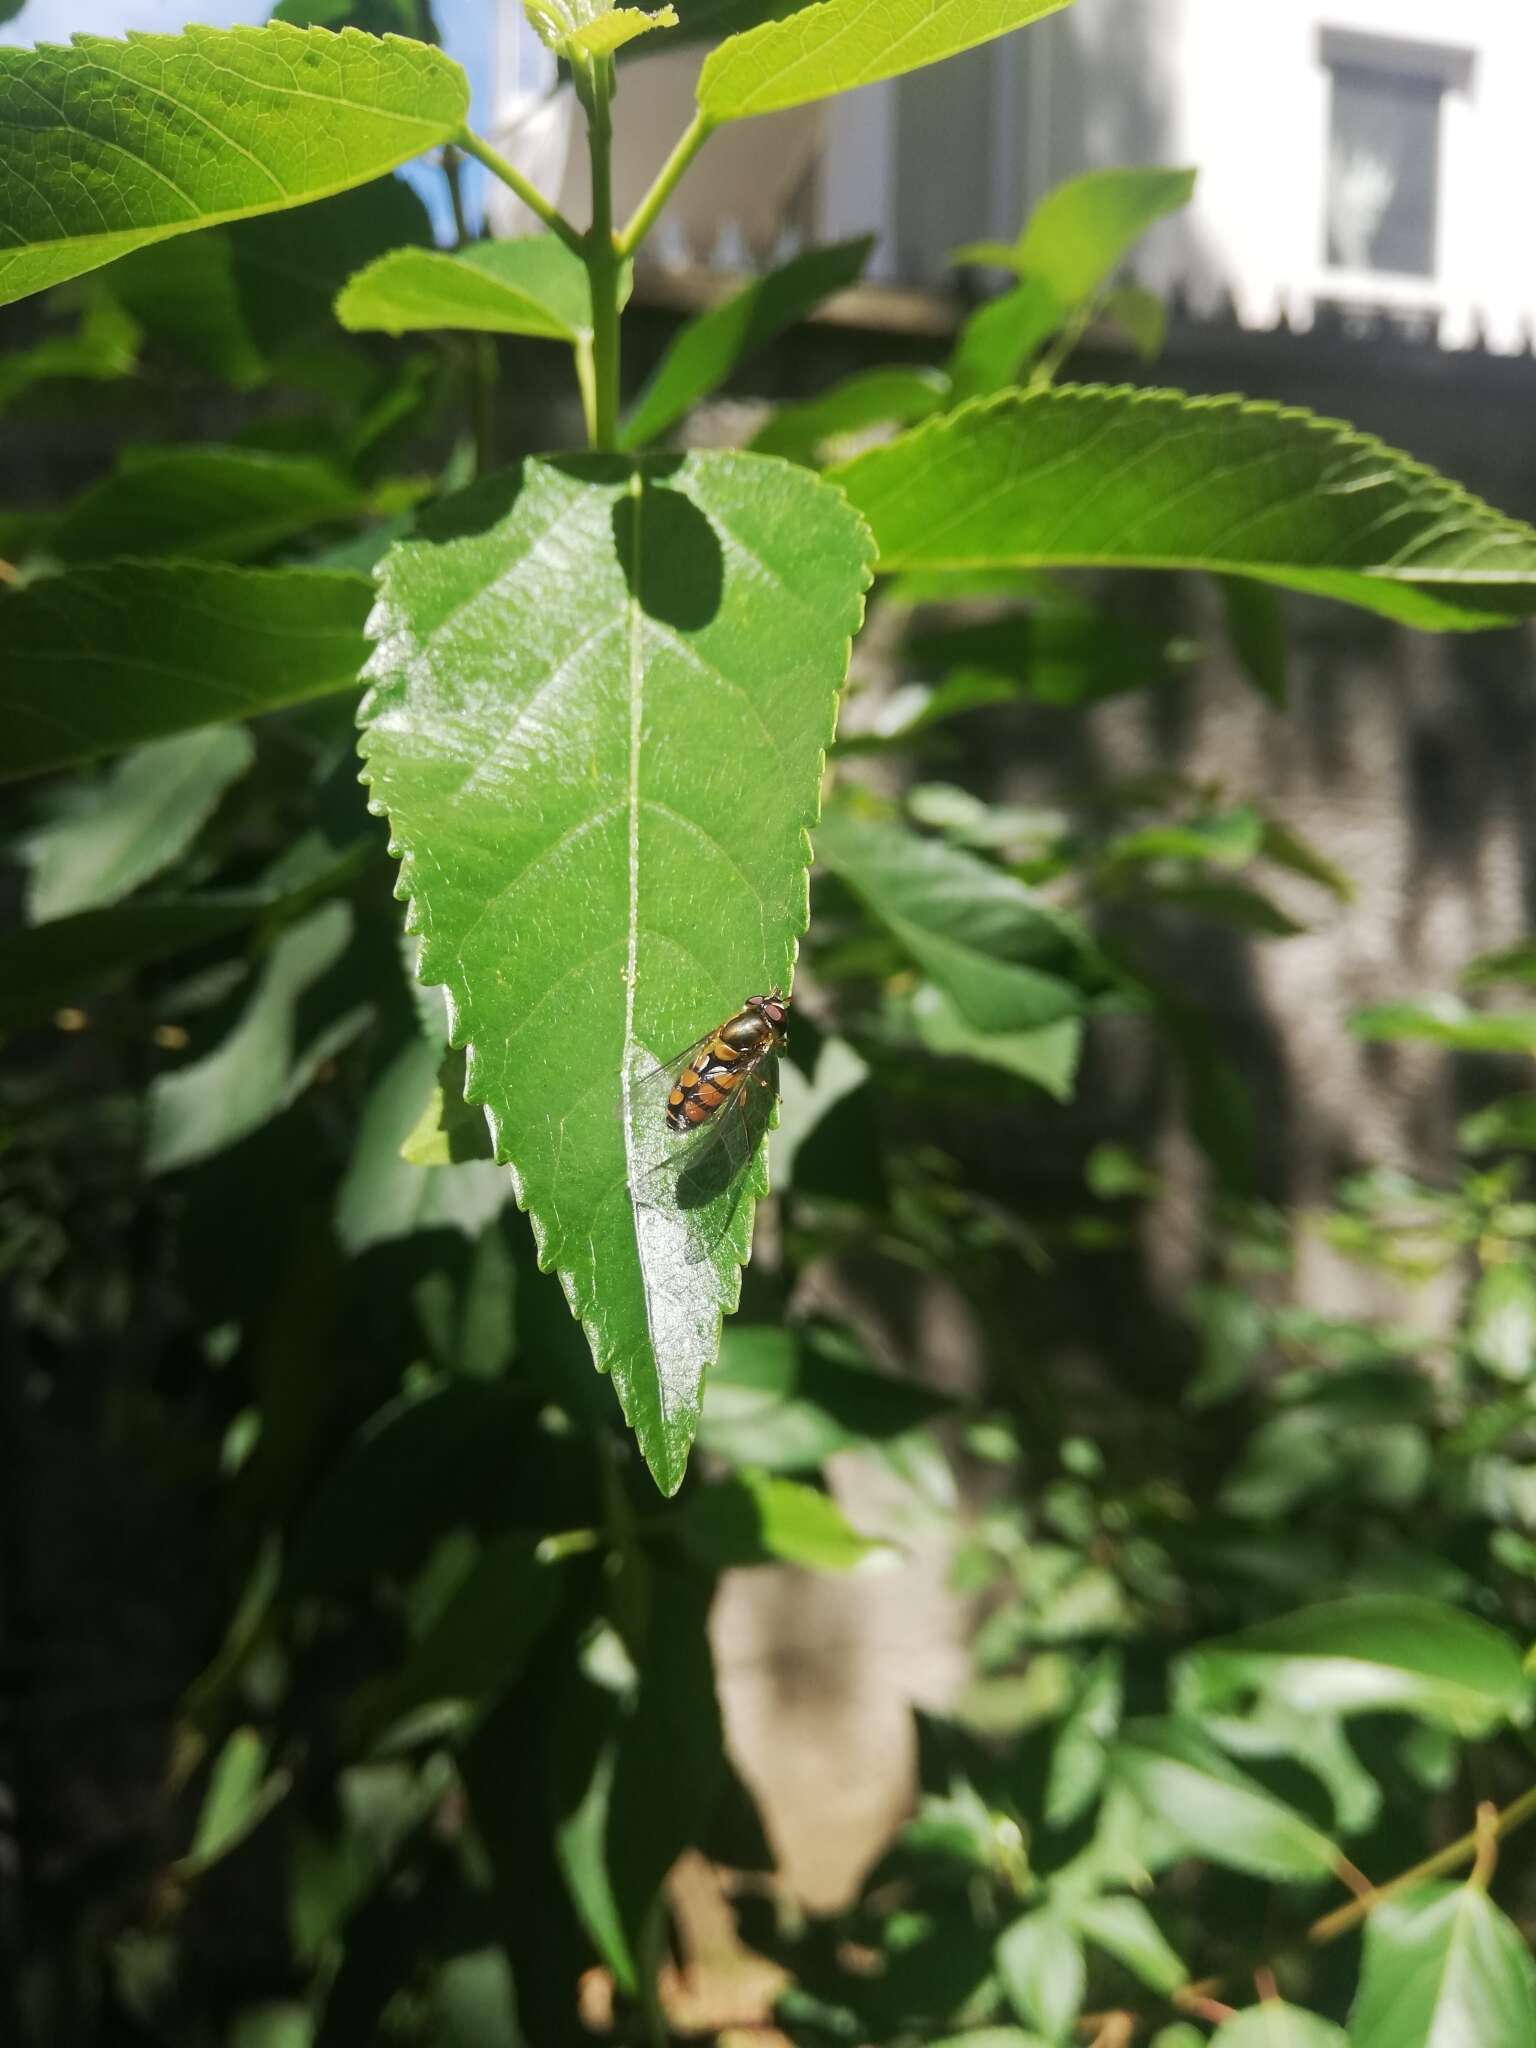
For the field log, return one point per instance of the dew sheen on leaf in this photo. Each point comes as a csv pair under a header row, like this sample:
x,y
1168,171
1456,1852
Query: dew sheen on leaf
x,y
601,694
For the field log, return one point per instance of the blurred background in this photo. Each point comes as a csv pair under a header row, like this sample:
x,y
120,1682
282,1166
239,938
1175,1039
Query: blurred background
x,y
1348,248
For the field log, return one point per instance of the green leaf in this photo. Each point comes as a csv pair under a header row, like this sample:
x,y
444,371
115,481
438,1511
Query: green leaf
x,y
473,1650
530,286
579,30
1508,1123
707,350
599,687
1078,235
1124,1929
1080,1752
1287,849
1046,1055
1510,963
205,504
1502,1332
633,1789
240,1795
103,658
52,964
184,295
868,399
1088,476
288,268
786,1400
840,44
1442,1966
103,346
1142,315
1001,337
260,1067
756,1519
1040,1962
1277,2025
382,1197
1054,657
987,941
1226,838
1188,1785
1373,1653
1256,628
115,145
616,27
1446,1020
115,834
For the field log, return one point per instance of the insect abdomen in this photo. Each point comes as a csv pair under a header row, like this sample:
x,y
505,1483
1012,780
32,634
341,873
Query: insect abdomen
x,y
703,1087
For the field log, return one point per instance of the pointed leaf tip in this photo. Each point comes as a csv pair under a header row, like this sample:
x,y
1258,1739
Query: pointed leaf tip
x,y
601,695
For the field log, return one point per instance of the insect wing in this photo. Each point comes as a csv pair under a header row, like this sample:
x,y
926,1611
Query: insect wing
x,y
703,1169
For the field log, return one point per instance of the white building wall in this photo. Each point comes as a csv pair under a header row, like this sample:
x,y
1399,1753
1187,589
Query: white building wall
x,y
1238,88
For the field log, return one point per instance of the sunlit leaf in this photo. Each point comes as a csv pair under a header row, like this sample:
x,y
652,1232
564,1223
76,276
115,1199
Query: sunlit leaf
x,y
1045,1054
1089,476
786,1400
1124,1929
534,285
115,834
571,675
1040,1962
1275,2024
1368,1654
1001,338
1446,1020
840,44
103,658
114,145
1081,232
1502,1332
1190,1787
996,950
708,348
757,1519
1443,1965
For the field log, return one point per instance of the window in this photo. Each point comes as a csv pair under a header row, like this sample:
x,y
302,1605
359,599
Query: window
x,y
1384,171
1384,151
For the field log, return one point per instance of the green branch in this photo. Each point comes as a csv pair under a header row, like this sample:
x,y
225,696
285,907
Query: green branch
x,y
643,219
601,254
529,194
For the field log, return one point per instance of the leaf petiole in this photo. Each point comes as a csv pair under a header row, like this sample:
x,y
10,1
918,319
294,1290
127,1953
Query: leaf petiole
x,y
643,219
529,193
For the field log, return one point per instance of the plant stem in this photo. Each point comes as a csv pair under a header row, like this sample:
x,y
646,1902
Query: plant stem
x,y
529,194
453,171
1462,1850
482,370
643,219
604,263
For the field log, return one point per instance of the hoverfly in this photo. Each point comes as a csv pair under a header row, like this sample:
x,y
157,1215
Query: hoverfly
x,y
721,1087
